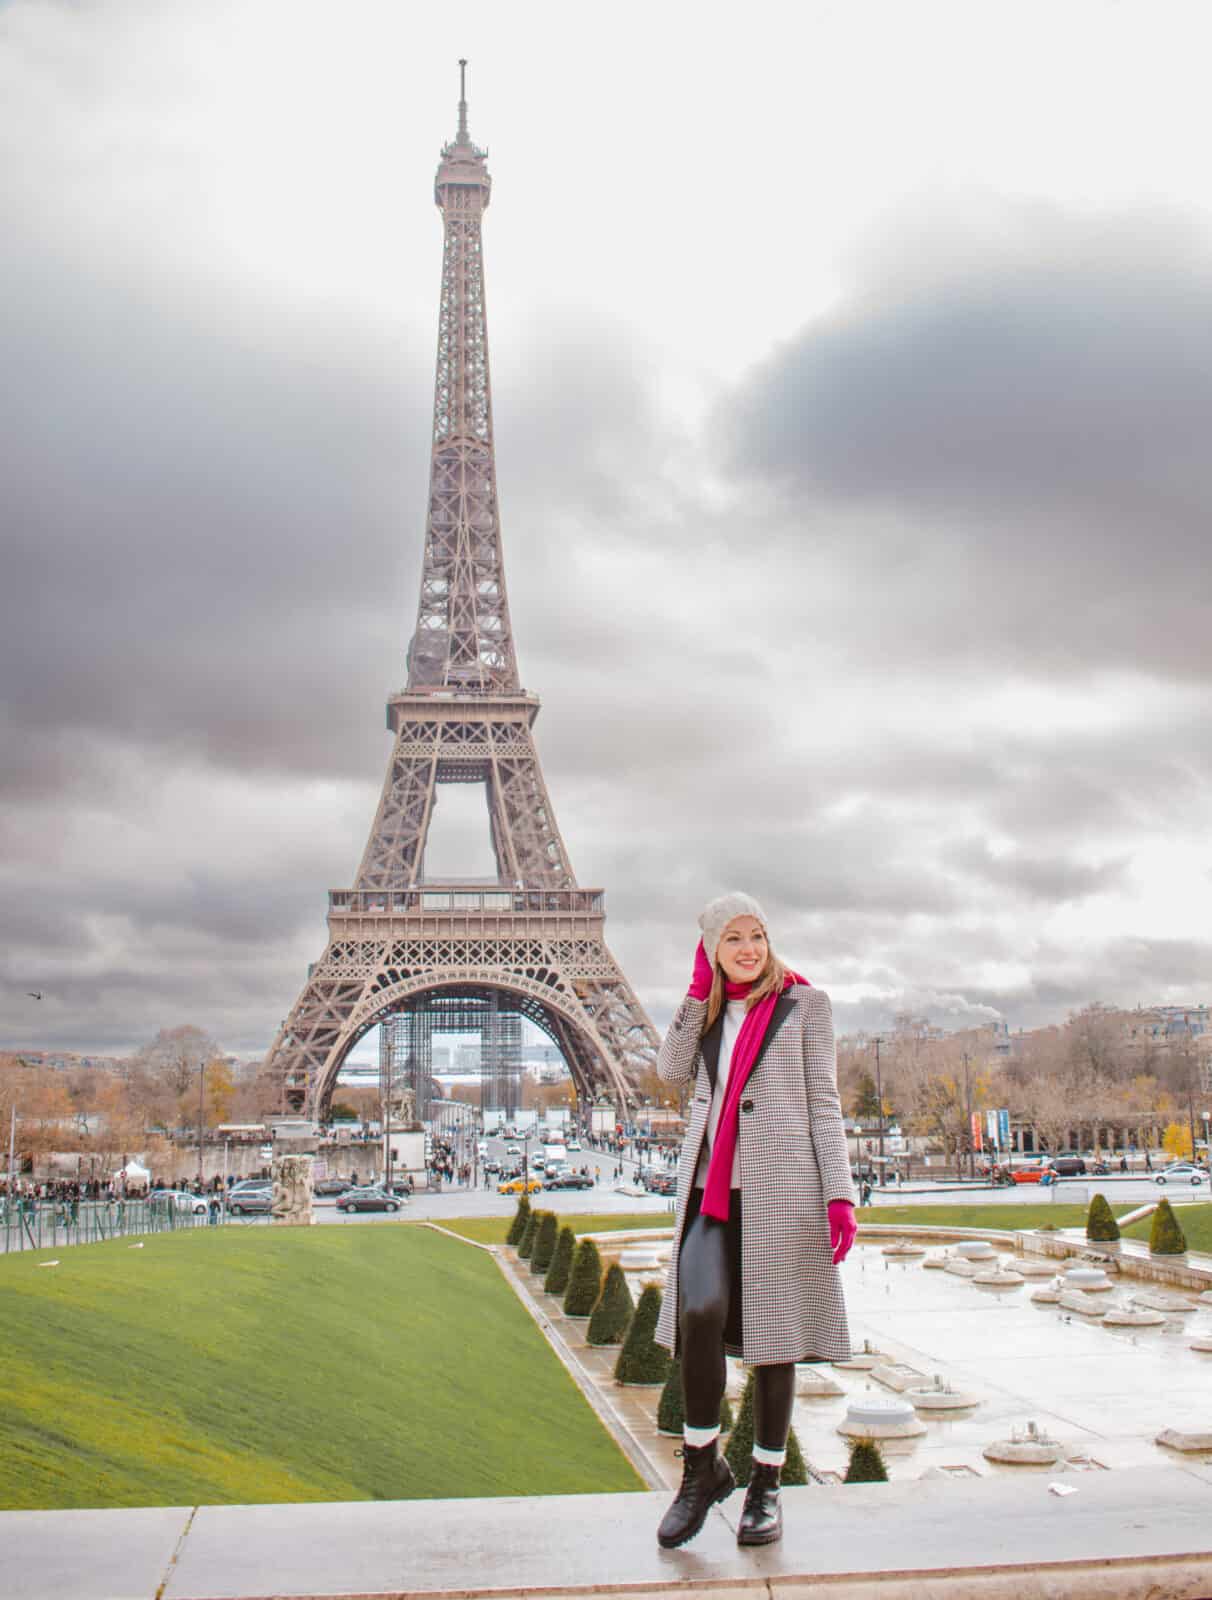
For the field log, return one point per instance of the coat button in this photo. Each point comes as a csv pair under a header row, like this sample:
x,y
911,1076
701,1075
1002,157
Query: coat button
x,y
746,1105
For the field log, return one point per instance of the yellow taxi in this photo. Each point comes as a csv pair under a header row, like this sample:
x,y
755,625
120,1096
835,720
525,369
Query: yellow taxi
x,y
517,1185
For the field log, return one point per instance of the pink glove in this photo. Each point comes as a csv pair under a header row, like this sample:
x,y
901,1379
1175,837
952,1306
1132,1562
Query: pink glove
x,y
842,1229
700,983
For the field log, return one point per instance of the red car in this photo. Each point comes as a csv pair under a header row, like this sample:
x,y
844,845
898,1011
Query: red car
x,y
1037,1172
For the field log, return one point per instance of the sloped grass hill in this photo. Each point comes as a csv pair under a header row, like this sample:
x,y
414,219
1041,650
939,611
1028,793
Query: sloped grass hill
x,y
222,1366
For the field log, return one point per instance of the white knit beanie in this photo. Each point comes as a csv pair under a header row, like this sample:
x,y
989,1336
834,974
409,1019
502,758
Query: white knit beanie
x,y
716,916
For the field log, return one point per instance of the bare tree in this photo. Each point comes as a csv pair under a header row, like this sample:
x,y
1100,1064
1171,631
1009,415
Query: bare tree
x,y
168,1069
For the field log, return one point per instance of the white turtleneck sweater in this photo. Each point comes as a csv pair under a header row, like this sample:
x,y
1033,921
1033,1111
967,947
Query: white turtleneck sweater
x,y
734,1015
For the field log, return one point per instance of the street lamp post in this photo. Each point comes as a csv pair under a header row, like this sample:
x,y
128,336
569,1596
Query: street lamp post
x,y
201,1114
968,1119
879,1095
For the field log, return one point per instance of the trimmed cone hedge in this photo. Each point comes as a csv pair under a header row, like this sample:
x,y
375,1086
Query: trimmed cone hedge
x,y
727,1416
520,1218
671,1408
642,1359
866,1463
556,1281
544,1242
585,1282
609,1318
1101,1226
526,1244
795,1469
739,1451
1166,1238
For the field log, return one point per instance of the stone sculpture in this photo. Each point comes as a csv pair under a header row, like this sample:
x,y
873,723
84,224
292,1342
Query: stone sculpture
x,y
292,1190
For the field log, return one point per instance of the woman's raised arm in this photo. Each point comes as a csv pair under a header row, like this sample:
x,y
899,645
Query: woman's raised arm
x,y
680,1046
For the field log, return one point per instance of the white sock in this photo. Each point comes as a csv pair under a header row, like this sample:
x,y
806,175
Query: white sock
x,y
698,1437
769,1458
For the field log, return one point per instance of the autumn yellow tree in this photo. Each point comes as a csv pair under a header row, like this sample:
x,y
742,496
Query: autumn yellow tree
x,y
220,1092
1176,1141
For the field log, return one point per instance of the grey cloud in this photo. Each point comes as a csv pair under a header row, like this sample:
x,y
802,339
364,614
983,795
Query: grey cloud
x,y
215,507
1056,879
1013,442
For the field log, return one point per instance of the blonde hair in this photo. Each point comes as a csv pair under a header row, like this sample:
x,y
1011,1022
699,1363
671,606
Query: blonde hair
x,y
769,981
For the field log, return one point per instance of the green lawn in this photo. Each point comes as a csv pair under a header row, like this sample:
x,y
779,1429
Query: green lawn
x,y
1011,1218
1195,1221
492,1230
258,1364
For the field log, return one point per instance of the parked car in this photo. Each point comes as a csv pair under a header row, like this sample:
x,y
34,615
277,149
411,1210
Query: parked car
x,y
178,1200
1181,1172
1067,1164
330,1186
368,1199
658,1181
251,1201
518,1185
1032,1172
573,1144
569,1180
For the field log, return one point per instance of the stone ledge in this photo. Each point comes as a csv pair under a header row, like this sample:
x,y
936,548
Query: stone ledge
x,y
1122,1536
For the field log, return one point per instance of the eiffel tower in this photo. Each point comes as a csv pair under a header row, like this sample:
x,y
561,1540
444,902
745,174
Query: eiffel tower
x,y
532,942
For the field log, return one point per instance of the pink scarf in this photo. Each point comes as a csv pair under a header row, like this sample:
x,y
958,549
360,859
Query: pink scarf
x,y
718,1189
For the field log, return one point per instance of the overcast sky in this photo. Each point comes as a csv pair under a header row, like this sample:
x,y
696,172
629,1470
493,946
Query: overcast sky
x,y
853,389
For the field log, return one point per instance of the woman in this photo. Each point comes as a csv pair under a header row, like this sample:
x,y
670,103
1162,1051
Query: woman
x,y
765,1207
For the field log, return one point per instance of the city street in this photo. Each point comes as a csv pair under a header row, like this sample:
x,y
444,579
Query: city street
x,y
464,1202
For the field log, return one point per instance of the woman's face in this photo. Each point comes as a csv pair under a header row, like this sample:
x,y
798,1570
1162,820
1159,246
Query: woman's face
x,y
742,950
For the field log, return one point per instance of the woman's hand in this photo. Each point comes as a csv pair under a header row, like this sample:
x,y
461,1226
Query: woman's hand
x,y
842,1229
700,982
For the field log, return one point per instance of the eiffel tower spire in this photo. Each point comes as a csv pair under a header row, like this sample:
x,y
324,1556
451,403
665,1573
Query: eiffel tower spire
x,y
463,640
404,949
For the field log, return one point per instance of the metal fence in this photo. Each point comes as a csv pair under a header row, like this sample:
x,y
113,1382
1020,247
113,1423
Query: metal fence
x,y
48,1224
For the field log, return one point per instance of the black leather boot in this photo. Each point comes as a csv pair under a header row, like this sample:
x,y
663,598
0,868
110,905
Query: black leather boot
x,y
762,1519
706,1478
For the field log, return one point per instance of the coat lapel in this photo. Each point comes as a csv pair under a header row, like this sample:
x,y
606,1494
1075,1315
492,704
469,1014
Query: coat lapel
x,y
783,1007
710,1046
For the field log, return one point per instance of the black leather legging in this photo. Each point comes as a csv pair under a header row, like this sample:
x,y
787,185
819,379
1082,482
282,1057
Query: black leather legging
x,y
709,1301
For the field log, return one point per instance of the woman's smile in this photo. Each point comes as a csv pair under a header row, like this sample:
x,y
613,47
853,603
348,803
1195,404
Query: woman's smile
x,y
743,951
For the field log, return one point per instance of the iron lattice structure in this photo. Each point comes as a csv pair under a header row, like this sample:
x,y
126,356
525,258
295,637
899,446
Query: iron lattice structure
x,y
532,944
406,1049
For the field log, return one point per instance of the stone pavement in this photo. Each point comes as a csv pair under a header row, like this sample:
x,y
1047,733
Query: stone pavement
x,y
1139,1536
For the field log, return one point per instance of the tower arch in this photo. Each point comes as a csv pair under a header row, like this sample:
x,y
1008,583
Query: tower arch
x,y
546,1009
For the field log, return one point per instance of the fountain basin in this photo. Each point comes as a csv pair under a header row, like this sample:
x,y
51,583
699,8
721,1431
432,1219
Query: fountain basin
x,y
881,1419
975,1249
941,1397
1086,1305
1132,1317
1093,1280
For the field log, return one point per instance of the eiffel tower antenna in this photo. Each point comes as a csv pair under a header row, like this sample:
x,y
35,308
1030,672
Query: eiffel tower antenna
x,y
463,136
418,955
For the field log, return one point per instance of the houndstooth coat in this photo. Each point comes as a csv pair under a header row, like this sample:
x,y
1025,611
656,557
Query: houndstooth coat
x,y
793,1162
